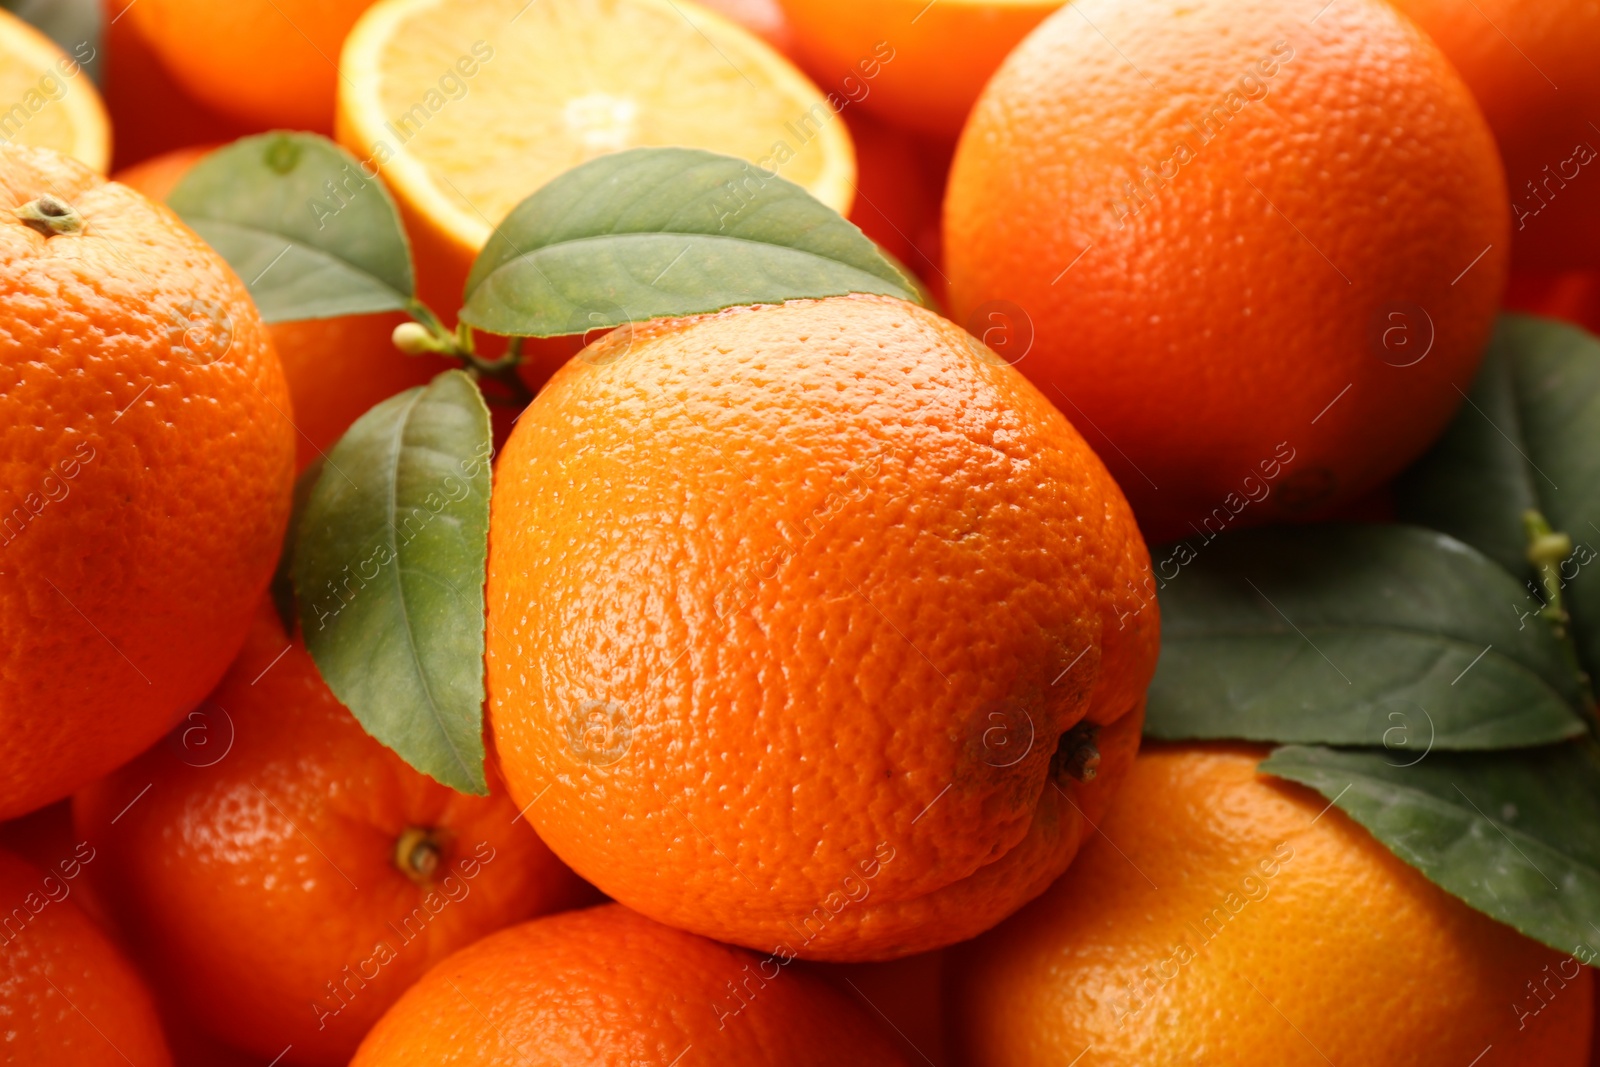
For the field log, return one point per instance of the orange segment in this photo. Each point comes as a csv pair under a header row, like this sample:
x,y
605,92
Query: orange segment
x,y
468,106
46,98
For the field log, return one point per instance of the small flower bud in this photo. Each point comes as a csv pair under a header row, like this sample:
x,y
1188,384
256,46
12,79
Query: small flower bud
x,y
413,339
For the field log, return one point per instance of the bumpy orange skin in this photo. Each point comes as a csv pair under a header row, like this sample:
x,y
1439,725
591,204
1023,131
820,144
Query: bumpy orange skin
x,y
263,62
790,667
1268,288
68,997
607,987
1532,68
911,63
257,876
1221,916
337,368
146,462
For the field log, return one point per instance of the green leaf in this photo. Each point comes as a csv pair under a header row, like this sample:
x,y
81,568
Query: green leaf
x,y
1514,834
296,217
389,569
1355,635
654,232
1527,437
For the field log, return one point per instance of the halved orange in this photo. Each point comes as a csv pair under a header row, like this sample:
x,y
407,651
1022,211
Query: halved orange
x,y
46,97
468,106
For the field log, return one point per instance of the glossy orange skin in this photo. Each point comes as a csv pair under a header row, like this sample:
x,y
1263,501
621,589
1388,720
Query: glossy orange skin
x,y
218,53
909,62
1199,329
337,368
791,668
607,987
1368,960
1532,67
260,864
68,997
146,463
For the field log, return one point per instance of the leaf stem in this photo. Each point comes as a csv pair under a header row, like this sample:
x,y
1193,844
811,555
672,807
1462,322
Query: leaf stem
x,y
428,334
1547,550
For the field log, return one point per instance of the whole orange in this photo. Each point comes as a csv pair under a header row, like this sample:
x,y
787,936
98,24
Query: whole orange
x,y
337,368
1259,253
67,995
1220,916
911,62
842,641
263,62
285,877
606,987
1532,68
149,112
146,463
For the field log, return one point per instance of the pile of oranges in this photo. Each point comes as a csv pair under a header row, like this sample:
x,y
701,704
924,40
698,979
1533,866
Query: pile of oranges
x,y
817,633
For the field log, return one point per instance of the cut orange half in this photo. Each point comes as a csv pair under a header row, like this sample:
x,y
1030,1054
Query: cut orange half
x,y
46,97
468,106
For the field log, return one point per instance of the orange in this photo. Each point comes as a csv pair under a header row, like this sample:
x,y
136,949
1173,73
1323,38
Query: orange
x,y
265,63
49,101
146,463
68,997
1219,916
845,636
468,106
1260,254
914,63
285,877
337,368
1532,68
606,987
150,113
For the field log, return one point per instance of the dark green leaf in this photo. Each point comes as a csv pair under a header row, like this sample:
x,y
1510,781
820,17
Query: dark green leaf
x,y
295,216
1514,834
389,570
1355,635
653,232
1528,437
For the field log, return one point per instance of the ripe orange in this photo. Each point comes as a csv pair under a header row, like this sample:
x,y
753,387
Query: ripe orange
x,y
150,113
264,62
824,654
285,877
146,462
468,106
607,987
68,998
1260,255
1220,916
337,368
1532,68
911,62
